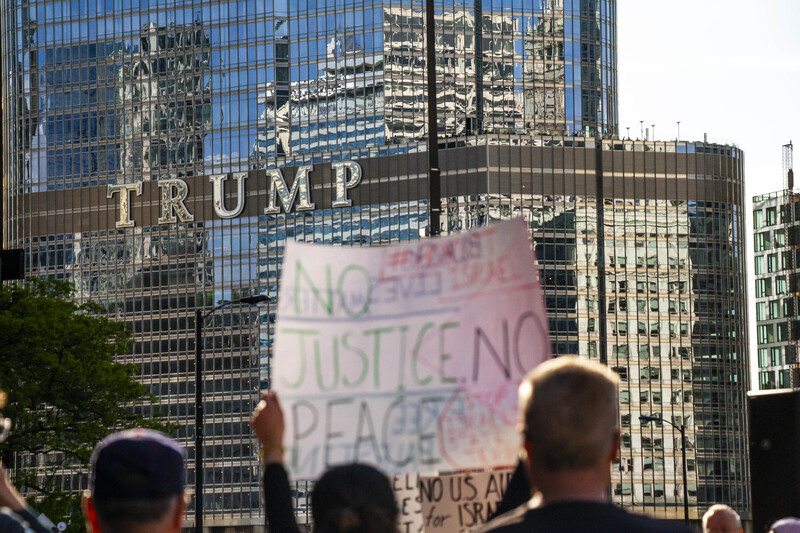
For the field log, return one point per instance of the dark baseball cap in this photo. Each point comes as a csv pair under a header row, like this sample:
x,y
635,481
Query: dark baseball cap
x,y
136,464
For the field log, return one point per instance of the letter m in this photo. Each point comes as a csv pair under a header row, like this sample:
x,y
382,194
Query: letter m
x,y
278,189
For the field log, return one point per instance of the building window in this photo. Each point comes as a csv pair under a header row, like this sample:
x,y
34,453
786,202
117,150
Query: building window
x,y
621,371
772,263
775,309
761,311
772,216
761,241
763,288
783,332
765,334
759,264
651,463
775,356
758,219
651,373
780,285
623,489
763,357
766,380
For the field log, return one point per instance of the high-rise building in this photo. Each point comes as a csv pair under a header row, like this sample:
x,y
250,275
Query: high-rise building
x,y
161,154
776,226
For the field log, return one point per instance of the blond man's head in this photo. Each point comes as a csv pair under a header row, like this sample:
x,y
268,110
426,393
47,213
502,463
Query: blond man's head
x,y
568,408
721,518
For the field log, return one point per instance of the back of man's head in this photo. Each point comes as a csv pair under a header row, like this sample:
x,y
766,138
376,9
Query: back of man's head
x,y
720,518
136,483
569,411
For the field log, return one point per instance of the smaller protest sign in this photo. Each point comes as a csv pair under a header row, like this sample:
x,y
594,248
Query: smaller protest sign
x,y
406,494
462,502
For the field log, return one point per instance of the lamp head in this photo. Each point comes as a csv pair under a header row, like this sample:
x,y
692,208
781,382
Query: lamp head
x,y
255,299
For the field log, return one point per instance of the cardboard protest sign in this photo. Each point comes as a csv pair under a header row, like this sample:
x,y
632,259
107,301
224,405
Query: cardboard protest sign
x,y
456,503
407,357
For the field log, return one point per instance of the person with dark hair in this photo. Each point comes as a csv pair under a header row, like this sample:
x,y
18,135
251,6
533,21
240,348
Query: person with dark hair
x,y
352,498
570,433
136,484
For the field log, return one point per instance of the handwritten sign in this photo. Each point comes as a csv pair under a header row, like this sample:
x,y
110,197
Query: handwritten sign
x,y
409,506
408,357
458,503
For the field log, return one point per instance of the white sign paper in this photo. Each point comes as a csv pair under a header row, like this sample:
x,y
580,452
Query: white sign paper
x,y
409,506
408,357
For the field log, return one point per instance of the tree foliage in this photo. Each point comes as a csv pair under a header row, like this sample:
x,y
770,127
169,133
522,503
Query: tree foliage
x,y
65,391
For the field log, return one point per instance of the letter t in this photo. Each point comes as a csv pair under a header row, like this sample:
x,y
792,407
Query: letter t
x,y
124,190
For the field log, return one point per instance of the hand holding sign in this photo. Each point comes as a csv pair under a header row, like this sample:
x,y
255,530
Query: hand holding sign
x,y
408,357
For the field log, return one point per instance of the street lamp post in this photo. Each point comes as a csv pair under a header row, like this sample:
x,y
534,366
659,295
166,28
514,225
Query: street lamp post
x,y
682,429
434,174
199,319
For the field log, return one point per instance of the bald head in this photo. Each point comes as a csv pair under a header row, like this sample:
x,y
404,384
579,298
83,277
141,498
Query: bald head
x,y
721,519
786,525
569,411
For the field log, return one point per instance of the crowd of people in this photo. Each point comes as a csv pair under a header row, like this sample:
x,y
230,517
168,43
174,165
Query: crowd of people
x,y
568,414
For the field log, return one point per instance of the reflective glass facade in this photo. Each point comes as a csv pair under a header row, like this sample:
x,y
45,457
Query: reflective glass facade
x,y
776,225
160,154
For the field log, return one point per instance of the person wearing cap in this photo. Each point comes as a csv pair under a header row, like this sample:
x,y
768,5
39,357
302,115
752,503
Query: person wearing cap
x,y
136,484
15,515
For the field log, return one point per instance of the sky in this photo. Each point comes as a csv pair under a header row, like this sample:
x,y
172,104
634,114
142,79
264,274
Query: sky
x,y
726,68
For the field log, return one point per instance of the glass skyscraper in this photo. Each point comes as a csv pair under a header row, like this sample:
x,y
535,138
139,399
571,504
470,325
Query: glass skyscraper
x,y
160,154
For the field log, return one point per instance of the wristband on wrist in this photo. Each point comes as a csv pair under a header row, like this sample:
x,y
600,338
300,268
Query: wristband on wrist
x,y
268,448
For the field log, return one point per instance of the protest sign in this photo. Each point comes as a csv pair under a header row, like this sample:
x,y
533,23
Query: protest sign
x,y
409,508
407,357
456,503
